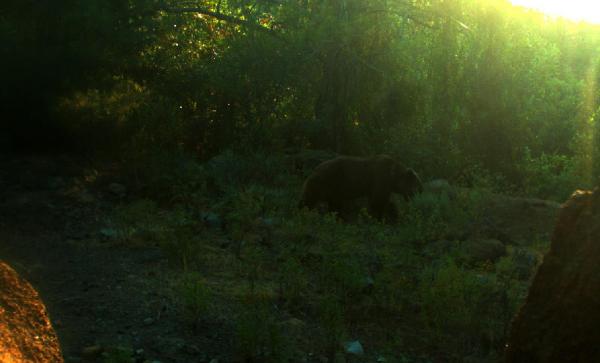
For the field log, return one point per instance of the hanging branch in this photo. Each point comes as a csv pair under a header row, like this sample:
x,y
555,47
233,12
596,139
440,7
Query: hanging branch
x,y
220,16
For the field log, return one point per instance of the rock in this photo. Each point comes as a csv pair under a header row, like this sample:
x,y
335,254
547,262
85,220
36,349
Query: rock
x,y
439,248
214,360
92,352
267,222
85,197
117,189
524,262
368,285
354,348
169,346
192,349
484,250
108,233
212,220
148,321
26,334
436,185
560,319
440,186
490,229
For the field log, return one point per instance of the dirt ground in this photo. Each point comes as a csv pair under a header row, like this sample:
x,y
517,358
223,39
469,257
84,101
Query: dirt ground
x,y
99,295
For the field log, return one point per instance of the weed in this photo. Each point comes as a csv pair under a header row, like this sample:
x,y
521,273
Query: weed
x,y
259,337
195,296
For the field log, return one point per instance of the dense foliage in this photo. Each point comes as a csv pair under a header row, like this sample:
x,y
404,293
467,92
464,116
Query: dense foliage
x,y
461,89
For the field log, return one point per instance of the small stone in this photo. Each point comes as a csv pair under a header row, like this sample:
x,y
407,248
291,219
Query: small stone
x,y
139,352
212,220
214,360
267,222
86,197
148,321
168,346
436,185
354,347
368,285
92,351
191,349
479,251
108,233
440,187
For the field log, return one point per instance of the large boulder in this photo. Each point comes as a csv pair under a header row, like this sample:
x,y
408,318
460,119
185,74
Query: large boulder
x,y
26,334
560,320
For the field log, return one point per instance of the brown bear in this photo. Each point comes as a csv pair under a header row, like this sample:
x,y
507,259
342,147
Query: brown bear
x,y
337,181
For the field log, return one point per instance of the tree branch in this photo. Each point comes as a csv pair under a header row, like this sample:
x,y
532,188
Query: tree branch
x,y
220,16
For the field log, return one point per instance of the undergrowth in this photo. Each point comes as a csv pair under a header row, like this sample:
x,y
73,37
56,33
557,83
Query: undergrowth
x,y
236,222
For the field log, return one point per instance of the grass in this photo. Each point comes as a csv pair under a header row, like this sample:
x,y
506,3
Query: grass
x,y
364,281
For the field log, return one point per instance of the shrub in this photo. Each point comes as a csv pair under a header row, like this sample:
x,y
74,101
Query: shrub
x,y
550,176
195,296
259,338
464,311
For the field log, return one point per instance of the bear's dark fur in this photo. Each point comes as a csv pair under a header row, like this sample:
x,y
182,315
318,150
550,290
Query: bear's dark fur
x,y
345,178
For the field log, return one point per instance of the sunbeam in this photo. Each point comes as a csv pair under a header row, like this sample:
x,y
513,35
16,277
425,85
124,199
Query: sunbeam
x,y
578,10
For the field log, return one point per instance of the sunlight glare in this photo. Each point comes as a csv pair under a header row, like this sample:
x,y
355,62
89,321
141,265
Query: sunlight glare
x,y
578,10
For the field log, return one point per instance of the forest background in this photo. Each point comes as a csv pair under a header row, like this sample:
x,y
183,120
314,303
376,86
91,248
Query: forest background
x,y
469,91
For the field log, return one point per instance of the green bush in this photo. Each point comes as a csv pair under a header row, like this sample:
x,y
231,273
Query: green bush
x,y
332,324
465,312
259,337
432,216
293,281
550,176
195,296
182,238
170,177
231,169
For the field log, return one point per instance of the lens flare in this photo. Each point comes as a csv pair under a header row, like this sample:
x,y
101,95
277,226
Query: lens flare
x,y
577,10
